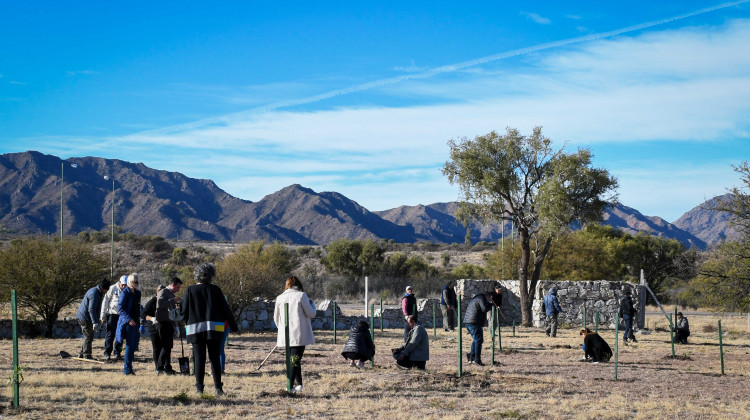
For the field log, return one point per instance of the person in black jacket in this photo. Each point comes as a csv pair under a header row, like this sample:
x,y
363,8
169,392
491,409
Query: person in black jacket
x,y
594,347
359,346
475,318
149,316
627,312
409,307
448,305
204,310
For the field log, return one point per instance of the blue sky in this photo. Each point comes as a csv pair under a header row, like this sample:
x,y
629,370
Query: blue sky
x,y
362,98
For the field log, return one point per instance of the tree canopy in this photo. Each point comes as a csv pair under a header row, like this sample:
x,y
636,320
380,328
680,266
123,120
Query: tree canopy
x,y
522,179
48,275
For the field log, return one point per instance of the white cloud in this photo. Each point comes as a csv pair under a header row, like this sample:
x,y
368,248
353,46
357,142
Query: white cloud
x,y
536,18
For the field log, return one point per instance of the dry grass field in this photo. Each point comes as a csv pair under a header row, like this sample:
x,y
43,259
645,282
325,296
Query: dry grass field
x,y
535,376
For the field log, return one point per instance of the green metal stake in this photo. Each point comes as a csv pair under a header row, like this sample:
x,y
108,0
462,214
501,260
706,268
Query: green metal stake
x,y
721,349
460,339
514,318
499,336
381,314
16,372
434,323
671,333
597,322
372,329
287,349
617,333
492,325
334,322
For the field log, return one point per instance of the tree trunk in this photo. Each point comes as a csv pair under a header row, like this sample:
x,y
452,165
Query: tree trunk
x,y
523,277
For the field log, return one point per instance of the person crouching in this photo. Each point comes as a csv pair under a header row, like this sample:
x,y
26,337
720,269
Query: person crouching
x,y
359,346
595,347
415,351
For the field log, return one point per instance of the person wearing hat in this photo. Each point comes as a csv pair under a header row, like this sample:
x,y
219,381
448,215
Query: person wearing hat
x,y
88,316
552,309
110,316
129,307
166,301
408,307
681,329
627,312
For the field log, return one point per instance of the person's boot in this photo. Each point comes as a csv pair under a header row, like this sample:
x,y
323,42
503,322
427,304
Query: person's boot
x,y
478,362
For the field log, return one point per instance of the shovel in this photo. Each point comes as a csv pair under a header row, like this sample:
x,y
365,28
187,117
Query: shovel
x,y
257,371
66,355
183,361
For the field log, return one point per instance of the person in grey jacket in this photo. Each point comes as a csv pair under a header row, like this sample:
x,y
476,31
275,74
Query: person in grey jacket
x,y
475,318
415,351
552,310
88,316
681,329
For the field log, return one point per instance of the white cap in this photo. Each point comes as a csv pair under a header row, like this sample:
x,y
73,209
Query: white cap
x,y
124,280
408,287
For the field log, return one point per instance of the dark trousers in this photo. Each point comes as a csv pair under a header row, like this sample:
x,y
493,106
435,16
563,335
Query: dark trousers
x,y
165,330
476,345
295,354
153,334
628,327
199,354
409,364
87,328
109,339
681,336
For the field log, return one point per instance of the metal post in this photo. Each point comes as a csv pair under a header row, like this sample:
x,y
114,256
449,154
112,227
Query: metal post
x,y
721,349
460,339
287,349
112,242
597,322
492,325
366,289
617,334
514,317
334,322
16,372
372,329
434,323
499,336
381,314
671,333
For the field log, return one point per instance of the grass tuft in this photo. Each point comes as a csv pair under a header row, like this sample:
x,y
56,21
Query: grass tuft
x,y
182,397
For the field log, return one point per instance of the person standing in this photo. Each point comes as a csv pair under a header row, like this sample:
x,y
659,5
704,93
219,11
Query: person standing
x,y
448,303
110,316
681,329
476,315
627,312
409,307
204,310
128,325
88,316
301,311
166,301
148,315
552,310
415,352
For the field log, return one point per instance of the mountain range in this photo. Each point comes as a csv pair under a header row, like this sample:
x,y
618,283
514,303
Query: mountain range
x,y
172,205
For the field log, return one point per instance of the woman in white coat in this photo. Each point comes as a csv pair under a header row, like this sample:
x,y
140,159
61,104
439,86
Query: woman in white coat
x,y
301,311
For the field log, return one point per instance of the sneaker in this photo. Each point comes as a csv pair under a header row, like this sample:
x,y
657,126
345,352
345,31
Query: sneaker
x,y
361,364
130,372
219,392
633,339
478,362
118,358
297,389
170,372
352,363
547,332
160,372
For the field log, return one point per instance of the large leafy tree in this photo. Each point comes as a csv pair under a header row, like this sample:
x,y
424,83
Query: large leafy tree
x,y
49,276
353,258
522,179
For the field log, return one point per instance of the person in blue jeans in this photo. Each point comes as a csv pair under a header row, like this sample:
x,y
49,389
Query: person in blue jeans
x,y
475,318
129,308
222,355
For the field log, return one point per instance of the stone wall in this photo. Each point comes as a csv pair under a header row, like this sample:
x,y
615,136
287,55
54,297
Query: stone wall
x,y
602,296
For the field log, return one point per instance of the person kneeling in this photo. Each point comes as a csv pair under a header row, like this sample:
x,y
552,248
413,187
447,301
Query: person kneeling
x,y
682,329
359,346
415,351
595,347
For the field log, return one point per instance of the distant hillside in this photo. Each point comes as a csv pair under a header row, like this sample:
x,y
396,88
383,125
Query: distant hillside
x,y
172,205
710,226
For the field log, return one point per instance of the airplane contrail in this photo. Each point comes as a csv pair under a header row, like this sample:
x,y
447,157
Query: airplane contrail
x,y
450,68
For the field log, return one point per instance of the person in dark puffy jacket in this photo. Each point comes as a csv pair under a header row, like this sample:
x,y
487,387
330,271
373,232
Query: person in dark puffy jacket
x,y
475,318
552,309
594,347
88,316
627,312
359,346
448,305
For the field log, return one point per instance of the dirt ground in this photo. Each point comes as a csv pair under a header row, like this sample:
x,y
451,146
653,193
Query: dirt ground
x,y
533,376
